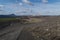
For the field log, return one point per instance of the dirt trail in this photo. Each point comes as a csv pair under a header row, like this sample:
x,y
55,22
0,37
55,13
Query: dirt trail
x,y
11,32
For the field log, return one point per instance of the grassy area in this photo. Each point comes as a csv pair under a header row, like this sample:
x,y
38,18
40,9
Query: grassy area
x,y
35,20
6,19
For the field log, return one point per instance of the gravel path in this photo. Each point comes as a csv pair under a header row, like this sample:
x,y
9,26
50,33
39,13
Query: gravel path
x,y
11,32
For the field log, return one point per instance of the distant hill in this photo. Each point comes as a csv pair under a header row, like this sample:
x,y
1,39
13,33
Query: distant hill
x,y
7,16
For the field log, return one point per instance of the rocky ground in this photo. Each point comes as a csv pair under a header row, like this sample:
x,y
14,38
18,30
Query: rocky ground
x,y
47,29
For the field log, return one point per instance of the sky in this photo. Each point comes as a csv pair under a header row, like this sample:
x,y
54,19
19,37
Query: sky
x,y
30,7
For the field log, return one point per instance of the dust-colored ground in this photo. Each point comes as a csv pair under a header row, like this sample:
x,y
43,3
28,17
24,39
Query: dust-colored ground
x,y
48,28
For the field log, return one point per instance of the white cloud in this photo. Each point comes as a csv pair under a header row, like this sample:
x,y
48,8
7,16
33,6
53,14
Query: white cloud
x,y
50,9
1,6
20,4
44,1
27,2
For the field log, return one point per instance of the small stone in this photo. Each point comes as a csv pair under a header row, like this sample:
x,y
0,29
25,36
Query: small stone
x,y
37,36
47,29
41,39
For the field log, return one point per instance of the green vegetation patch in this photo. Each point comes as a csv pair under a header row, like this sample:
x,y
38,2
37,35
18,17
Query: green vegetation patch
x,y
6,19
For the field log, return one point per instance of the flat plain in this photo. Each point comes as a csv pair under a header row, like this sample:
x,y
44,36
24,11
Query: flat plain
x,y
41,28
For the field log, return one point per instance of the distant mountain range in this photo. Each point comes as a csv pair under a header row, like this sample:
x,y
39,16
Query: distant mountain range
x,y
7,16
15,16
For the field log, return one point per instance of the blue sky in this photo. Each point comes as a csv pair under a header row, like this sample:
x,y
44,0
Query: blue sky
x,y
30,7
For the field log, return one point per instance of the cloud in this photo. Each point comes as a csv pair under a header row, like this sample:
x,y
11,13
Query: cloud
x,y
50,9
27,2
23,11
44,1
20,4
1,6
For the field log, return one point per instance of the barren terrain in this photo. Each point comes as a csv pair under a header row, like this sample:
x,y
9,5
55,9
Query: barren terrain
x,y
46,29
